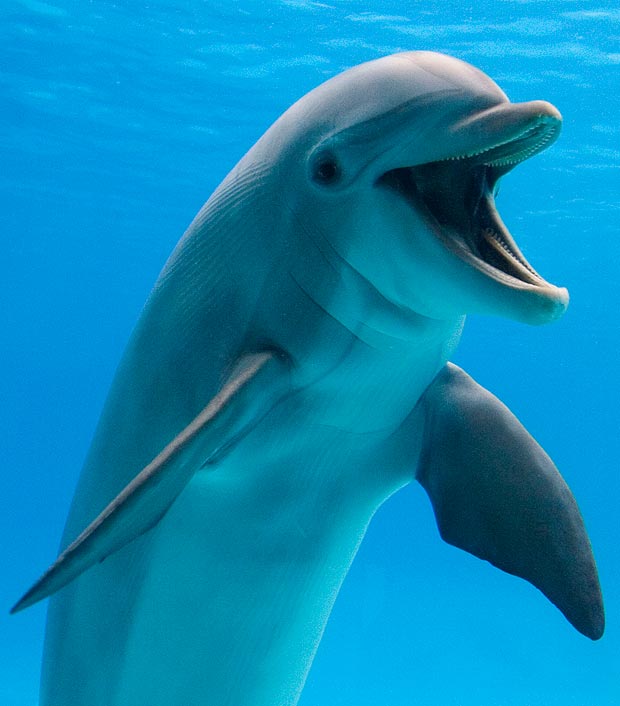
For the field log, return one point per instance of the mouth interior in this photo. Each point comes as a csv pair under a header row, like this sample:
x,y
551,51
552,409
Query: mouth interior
x,y
457,196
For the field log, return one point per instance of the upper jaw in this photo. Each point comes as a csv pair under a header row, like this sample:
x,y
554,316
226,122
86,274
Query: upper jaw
x,y
506,134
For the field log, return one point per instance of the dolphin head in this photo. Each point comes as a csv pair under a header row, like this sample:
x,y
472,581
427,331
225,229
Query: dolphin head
x,y
396,163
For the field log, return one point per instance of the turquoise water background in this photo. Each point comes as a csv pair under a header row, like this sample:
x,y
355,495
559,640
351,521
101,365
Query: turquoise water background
x,y
117,120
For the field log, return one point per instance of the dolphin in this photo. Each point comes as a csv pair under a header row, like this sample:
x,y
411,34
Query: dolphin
x,y
288,373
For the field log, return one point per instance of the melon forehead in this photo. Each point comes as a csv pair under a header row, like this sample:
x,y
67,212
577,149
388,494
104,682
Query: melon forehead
x,y
383,85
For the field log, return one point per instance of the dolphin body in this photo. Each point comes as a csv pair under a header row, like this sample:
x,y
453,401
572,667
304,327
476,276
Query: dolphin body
x,y
289,373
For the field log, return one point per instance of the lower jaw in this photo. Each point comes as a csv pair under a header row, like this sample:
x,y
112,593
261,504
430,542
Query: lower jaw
x,y
491,253
514,291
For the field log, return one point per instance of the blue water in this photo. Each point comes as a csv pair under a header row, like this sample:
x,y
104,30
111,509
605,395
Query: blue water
x,y
116,123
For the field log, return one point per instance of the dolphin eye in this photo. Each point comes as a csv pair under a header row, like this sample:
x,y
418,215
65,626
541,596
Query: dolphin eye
x,y
326,170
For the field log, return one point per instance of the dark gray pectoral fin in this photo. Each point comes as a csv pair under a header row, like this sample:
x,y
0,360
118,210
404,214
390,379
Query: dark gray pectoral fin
x,y
256,384
498,495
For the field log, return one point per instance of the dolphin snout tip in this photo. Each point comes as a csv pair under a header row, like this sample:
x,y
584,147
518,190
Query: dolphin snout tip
x,y
556,305
547,306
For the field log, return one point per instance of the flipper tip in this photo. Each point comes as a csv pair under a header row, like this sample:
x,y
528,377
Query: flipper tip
x,y
593,624
24,602
41,589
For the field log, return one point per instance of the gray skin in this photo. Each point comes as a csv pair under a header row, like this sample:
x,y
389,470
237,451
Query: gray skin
x,y
288,373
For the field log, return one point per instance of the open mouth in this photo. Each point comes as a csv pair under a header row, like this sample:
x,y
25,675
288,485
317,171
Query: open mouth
x,y
457,197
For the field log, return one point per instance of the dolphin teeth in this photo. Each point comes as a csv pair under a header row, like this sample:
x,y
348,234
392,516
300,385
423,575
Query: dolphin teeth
x,y
532,146
523,270
522,155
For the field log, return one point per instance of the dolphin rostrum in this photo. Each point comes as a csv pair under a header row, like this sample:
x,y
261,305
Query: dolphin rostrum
x,y
289,372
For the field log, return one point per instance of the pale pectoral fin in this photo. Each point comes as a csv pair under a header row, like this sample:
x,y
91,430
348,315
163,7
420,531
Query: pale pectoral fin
x,y
498,495
254,387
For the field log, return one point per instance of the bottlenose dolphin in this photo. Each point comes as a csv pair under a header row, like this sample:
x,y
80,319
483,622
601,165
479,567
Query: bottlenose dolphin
x,y
288,373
